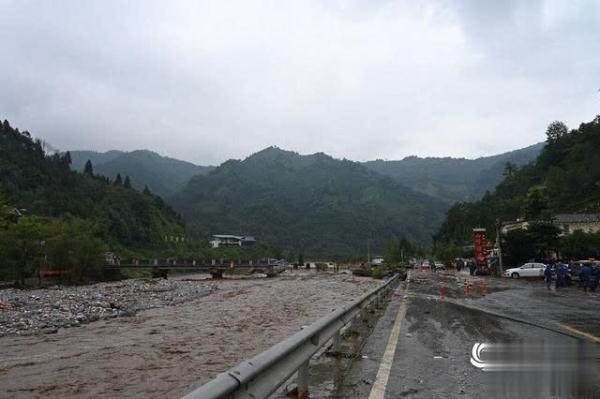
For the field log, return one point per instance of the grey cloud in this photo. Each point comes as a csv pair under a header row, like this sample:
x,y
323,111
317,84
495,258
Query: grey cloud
x,y
210,80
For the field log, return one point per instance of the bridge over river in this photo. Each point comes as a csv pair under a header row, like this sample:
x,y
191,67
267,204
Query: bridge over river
x,y
216,268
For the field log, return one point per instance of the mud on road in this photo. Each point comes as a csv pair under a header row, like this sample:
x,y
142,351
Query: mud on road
x,y
168,351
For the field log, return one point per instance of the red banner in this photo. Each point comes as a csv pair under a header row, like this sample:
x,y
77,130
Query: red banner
x,y
480,248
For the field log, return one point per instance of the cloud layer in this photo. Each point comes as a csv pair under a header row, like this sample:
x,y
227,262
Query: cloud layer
x,y
210,80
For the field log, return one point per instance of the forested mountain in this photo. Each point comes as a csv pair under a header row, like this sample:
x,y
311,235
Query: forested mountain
x,y
44,185
315,203
79,158
565,178
163,175
453,179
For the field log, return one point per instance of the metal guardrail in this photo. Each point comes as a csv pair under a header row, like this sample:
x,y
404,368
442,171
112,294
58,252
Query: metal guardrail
x,y
262,375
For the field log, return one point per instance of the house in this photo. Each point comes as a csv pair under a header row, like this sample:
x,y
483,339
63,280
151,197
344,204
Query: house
x,y
570,222
226,239
566,222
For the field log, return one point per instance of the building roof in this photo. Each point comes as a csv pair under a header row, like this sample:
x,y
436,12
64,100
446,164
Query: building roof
x,y
241,238
577,218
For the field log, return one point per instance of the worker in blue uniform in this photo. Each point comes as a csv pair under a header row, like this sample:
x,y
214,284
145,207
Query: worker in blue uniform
x,y
548,275
585,277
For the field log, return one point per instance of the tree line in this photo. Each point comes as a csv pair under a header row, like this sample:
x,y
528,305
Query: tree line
x,y
565,178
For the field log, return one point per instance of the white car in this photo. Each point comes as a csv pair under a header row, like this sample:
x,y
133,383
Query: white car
x,y
439,266
527,270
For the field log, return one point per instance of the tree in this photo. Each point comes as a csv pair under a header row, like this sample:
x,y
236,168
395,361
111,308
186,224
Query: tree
x,y
301,258
544,237
509,169
4,209
118,180
580,245
517,247
127,182
71,244
449,252
556,130
536,203
21,248
88,169
147,191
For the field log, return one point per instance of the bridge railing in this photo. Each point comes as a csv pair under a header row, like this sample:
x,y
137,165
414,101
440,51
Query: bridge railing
x,y
262,375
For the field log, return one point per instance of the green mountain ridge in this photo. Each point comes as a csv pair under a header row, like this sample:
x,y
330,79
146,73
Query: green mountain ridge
x,y
453,179
163,175
44,185
313,203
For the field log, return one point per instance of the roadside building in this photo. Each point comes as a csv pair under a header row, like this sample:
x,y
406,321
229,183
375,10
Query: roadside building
x,y
231,240
571,222
566,222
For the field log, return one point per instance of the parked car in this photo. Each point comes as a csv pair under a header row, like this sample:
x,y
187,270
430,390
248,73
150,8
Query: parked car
x,y
527,270
425,265
439,266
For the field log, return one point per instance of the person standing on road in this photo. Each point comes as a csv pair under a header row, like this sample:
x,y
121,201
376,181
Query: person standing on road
x,y
595,277
472,267
584,277
561,274
548,276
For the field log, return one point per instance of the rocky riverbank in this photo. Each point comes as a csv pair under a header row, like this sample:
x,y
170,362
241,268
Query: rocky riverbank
x,y
26,312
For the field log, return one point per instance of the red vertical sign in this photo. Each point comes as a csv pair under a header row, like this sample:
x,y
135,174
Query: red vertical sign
x,y
480,249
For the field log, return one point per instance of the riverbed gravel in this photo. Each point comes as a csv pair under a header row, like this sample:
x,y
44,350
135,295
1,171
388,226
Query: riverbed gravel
x,y
27,312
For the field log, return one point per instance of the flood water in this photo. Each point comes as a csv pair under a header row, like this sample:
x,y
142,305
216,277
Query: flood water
x,y
168,351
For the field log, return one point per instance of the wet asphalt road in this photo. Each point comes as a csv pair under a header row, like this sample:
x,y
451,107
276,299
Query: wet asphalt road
x,y
447,313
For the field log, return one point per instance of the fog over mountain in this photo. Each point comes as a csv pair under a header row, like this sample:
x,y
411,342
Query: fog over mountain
x,y
210,81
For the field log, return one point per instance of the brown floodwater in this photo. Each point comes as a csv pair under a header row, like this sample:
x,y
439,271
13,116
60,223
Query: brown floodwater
x,y
168,351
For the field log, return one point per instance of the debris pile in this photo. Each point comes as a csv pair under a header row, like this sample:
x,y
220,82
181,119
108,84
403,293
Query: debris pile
x,y
26,312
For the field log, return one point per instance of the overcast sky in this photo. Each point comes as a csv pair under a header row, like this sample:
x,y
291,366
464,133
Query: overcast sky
x,y
210,80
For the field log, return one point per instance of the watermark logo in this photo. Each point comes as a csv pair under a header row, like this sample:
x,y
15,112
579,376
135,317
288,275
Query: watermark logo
x,y
476,359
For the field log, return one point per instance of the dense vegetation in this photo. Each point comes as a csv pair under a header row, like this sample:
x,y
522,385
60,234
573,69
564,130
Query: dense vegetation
x,y
162,175
67,211
453,179
565,178
315,204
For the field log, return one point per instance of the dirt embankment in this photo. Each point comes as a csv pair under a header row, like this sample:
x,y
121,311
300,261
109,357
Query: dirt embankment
x,y
171,348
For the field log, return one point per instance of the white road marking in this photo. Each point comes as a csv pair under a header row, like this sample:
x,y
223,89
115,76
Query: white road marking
x,y
378,390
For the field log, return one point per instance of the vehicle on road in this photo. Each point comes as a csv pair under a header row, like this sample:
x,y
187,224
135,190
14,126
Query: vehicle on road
x,y
439,266
575,267
531,269
425,265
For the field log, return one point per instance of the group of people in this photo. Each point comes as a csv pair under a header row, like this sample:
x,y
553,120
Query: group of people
x,y
458,264
589,276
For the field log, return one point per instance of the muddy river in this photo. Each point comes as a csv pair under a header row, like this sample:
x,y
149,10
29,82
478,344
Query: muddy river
x,y
170,350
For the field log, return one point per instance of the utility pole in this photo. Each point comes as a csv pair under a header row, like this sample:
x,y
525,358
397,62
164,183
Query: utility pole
x,y
368,251
500,265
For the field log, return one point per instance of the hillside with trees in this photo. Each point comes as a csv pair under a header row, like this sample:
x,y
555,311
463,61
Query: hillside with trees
x,y
162,175
53,201
317,204
565,178
453,179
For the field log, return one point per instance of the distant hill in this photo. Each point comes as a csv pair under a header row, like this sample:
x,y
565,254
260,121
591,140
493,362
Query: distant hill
x,y
453,179
163,175
44,185
314,203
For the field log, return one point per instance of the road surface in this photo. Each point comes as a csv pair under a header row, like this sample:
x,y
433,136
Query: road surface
x,y
421,346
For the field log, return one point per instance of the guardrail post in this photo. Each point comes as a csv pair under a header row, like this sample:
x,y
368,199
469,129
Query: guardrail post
x,y
337,342
303,381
